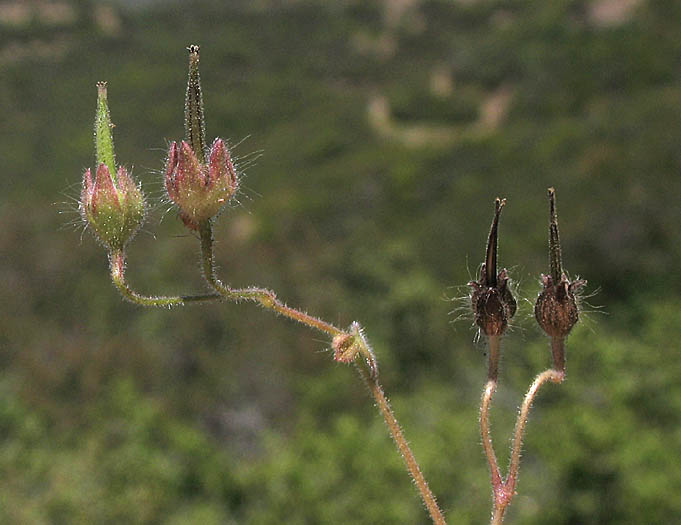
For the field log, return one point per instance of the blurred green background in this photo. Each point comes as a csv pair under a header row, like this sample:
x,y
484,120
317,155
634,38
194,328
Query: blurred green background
x,y
374,138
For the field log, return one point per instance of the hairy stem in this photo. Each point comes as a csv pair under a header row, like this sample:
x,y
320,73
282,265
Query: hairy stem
x,y
494,342
488,447
547,375
485,404
117,265
504,489
268,299
402,445
498,515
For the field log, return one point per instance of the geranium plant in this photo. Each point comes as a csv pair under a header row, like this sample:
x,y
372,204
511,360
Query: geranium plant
x,y
200,180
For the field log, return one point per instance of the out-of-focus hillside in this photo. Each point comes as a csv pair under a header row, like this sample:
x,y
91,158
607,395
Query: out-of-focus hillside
x,y
374,137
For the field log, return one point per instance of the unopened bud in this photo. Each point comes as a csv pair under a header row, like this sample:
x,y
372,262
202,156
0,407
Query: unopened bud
x,y
345,347
348,345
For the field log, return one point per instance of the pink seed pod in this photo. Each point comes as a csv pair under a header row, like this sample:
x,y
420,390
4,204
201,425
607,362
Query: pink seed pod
x,y
200,189
200,181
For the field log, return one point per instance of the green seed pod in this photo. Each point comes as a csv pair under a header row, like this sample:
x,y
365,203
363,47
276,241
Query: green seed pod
x,y
112,204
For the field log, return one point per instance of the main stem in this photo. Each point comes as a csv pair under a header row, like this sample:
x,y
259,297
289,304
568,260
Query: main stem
x,y
117,266
268,299
403,447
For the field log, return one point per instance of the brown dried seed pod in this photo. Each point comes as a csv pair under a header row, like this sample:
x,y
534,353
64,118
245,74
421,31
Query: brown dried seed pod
x,y
557,309
491,299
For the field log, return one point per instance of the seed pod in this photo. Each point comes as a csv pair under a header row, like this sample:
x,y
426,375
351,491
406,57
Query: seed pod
x,y
556,308
199,189
491,299
112,204
198,179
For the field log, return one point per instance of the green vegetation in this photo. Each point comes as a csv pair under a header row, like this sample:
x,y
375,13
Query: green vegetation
x,y
374,145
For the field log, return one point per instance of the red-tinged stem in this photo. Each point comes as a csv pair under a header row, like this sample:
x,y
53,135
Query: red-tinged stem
x,y
117,266
488,447
554,376
494,343
268,299
558,351
504,492
504,489
402,446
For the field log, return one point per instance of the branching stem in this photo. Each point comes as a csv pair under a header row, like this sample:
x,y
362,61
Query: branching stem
x,y
117,265
269,300
504,489
266,298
